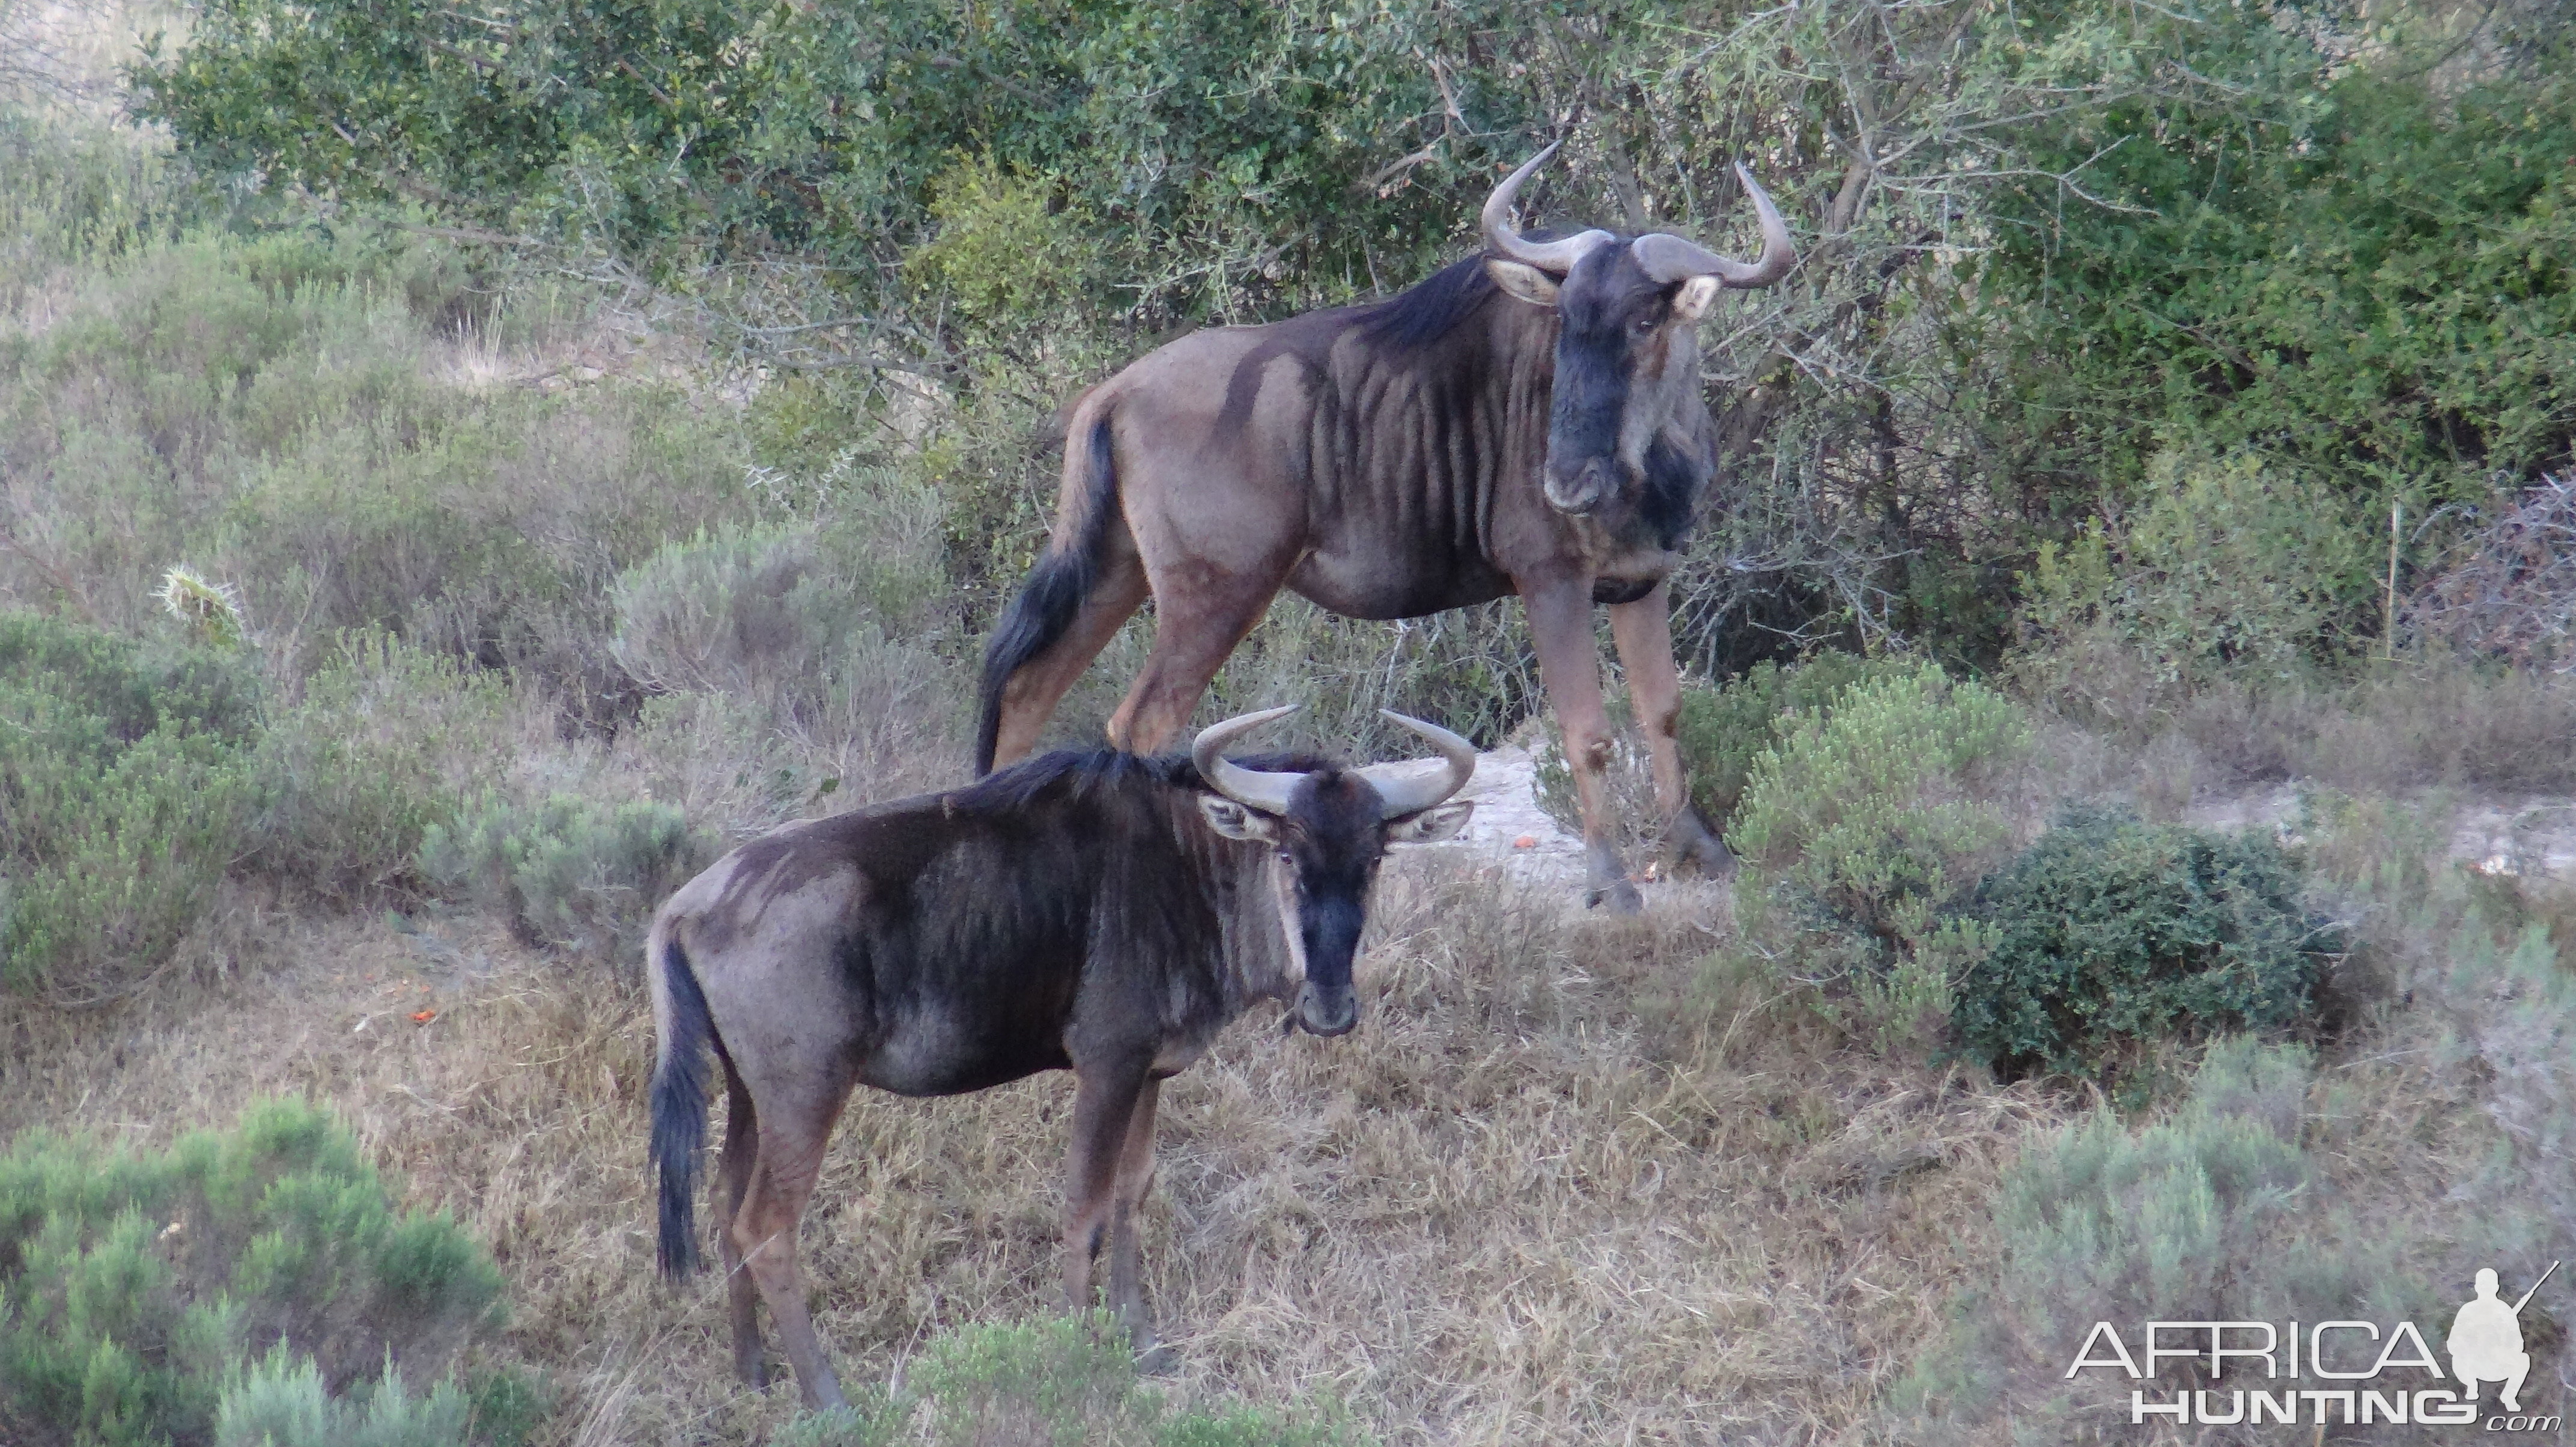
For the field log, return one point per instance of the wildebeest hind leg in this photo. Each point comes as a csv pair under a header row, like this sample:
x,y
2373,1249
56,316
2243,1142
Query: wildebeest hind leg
x,y
733,1178
1029,699
1126,1275
1643,631
1560,623
764,1232
1195,628
1104,1102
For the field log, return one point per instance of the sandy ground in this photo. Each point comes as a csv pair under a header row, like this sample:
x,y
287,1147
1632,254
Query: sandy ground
x,y
2530,835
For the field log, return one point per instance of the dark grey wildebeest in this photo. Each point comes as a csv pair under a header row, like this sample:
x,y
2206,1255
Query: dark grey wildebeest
x,y
1528,422
1098,912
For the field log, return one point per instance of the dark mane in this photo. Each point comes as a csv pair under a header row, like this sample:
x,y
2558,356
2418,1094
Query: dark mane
x,y
1425,312
1083,771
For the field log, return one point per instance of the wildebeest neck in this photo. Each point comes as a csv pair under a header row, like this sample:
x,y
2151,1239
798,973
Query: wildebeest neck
x,y
1171,886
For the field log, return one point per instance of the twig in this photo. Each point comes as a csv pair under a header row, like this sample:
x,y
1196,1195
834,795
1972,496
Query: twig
x,y
62,581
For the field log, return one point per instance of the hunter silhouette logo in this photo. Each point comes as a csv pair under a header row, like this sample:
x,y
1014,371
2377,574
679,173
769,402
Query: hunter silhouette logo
x,y
2486,1340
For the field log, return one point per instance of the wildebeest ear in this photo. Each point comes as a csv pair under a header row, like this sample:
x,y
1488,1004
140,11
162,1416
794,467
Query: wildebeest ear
x,y
1525,282
1694,297
1441,821
1235,821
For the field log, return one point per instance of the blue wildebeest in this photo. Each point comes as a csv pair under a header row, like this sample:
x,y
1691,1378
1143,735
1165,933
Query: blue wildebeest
x,y
1098,912
1528,422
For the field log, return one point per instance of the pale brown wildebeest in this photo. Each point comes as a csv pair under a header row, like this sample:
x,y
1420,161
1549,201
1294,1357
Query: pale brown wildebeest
x,y
1528,422
1097,912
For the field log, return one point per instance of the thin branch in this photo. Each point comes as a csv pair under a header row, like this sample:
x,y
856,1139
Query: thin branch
x,y
485,64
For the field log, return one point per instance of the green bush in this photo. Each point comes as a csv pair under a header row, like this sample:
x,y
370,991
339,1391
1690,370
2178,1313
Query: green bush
x,y
2211,1215
135,1291
281,1402
568,873
373,754
125,785
1054,1383
1008,247
2108,933
1064,1382
2228,568
1874,814
1721,732
1724,731
778,607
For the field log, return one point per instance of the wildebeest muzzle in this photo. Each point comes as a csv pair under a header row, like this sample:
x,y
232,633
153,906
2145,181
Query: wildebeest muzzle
x,y
1323,1012
1592,485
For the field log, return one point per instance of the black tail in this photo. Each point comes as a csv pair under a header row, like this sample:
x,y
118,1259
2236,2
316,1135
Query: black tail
x,y
680,1109
1053,594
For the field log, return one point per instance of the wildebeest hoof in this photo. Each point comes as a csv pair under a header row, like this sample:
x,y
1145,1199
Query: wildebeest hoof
x,y
1689,842
1712,859
1617,897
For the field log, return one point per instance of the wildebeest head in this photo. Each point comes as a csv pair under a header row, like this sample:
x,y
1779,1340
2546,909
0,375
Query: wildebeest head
x,y
1328,829
1627,348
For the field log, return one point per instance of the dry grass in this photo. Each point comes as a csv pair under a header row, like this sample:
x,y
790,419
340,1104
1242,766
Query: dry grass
x,y
1509,1209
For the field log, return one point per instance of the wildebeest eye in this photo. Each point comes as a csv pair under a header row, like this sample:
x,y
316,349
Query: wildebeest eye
x,y
1644,324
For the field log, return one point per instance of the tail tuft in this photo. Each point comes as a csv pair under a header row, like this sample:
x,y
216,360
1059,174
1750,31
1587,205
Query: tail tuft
x,y
680,1109
1053,595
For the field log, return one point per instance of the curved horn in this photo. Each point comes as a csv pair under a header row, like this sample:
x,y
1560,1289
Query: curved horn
x,y
1669,258
1556,256
1251,788
1403,788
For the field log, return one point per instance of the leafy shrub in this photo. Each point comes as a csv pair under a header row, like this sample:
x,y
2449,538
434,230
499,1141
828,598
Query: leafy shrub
x,y
130,688
281,1402
1007,248
1876,813
2108,932
372,755
758,609
124,787
1055,1383
2230,566
568,873
2189,1219
139,1287
1724,731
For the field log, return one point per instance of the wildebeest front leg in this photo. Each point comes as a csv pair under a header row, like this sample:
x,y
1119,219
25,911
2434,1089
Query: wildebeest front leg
x,y
1104,1102
1560,620
1135,1178
1643,631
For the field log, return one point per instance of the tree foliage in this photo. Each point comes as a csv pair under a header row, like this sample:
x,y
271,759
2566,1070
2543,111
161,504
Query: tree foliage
x,y
2043,243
